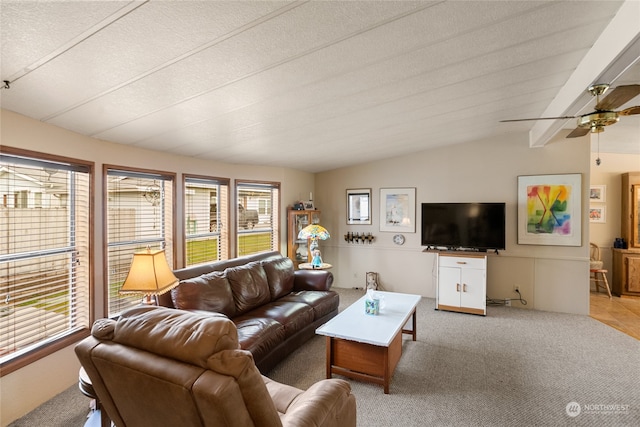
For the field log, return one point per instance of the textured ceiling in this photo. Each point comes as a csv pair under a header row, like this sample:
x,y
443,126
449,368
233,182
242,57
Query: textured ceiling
x,y
265,83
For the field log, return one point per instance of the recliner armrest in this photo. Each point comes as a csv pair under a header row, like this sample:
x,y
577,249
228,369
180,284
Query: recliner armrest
x,y
327,403
312,280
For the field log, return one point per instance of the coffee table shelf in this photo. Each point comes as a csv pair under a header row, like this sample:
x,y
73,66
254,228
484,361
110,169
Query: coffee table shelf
x,y
366,347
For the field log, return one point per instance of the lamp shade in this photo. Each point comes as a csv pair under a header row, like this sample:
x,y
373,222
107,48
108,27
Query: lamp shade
x,y
150,274
314,231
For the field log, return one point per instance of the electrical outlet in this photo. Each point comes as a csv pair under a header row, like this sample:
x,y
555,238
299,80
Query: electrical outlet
x,y
516,289
507,303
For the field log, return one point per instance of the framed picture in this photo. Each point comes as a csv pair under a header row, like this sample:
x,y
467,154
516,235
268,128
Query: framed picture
x,y
359,206
549,210
598,193
308,205
398,210
597,214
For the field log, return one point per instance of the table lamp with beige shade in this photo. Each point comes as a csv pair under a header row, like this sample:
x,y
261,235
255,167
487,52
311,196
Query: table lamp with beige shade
x,y
149,275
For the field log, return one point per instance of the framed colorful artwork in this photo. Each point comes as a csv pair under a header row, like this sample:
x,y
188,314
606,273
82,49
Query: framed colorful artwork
x,y
398,209
549,210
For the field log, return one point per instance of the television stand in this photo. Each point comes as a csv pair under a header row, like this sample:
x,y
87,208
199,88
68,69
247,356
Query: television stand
x,y
462,282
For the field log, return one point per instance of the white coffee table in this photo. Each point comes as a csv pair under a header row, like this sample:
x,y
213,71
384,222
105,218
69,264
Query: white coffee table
x,y
366,347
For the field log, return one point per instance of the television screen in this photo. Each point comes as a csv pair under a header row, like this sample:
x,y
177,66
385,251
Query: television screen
x,y
478,226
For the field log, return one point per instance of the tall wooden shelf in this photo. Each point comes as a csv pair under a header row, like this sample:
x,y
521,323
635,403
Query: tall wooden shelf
x,y
298,249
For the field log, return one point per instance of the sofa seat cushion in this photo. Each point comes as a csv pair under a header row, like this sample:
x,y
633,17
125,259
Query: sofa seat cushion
x,y
322,302
209,292
294,316
259,335
249,286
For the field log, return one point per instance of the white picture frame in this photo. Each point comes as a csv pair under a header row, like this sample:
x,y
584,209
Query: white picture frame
x,y
398,210
598,193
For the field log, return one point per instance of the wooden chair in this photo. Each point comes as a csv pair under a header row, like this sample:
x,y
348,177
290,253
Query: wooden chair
x,y
596,272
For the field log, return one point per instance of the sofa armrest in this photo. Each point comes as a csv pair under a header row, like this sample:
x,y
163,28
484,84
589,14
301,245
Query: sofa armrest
x,y
312,280
327,403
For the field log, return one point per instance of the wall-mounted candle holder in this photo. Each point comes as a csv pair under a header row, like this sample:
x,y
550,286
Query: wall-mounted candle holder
x,y
359,238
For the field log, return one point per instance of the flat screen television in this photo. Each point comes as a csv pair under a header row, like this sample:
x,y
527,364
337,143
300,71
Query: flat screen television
x,y
464,226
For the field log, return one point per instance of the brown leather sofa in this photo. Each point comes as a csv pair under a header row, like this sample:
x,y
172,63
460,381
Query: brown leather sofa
x,y
155,366
274,307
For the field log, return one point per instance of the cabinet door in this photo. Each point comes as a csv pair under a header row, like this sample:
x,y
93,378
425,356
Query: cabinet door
x,y
473,288
633,273
449,286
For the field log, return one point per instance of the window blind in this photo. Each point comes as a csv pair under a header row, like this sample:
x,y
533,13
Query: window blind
x,y
206,224
257,217
44,252
139,214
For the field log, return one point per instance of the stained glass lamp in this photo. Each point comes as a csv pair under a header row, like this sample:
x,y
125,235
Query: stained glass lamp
x,y
314,232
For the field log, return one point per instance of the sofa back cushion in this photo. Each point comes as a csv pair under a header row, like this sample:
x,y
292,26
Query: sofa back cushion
x,y
210,292
280,276
249,286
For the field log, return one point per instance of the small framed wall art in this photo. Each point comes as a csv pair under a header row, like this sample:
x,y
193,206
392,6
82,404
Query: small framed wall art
x,y
358,206
598,193
398,209
598,214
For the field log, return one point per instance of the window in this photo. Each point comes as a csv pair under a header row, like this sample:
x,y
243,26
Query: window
x,y
257,217
206,212
139,215
45,262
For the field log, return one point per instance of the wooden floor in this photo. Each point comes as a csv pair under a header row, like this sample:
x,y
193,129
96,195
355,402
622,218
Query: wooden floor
x,y
622,314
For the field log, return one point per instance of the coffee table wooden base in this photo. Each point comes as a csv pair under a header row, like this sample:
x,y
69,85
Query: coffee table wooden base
x,y
366,362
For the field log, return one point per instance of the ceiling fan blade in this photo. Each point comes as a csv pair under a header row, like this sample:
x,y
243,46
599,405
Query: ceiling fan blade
x,y
619,96
540,118
630,111
577,132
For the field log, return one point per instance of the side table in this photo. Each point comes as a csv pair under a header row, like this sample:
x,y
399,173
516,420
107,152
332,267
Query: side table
x,y
308,266
99,417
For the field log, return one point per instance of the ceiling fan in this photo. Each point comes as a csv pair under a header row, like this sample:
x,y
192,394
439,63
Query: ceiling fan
x,y
604,114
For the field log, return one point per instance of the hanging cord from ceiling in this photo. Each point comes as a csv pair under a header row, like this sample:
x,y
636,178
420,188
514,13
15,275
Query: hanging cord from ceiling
x,y
598,161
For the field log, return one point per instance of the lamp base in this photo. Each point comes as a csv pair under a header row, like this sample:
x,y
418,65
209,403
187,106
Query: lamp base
x,y
150,300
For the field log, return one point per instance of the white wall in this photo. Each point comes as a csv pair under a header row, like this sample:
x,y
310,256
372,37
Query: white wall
x,y
609,173
23,390
553,278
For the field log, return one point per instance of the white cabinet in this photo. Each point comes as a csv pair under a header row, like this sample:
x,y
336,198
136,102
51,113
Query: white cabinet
x,y
462,283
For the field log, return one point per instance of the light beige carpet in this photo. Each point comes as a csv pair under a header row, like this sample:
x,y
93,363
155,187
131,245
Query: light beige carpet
x,y
514,367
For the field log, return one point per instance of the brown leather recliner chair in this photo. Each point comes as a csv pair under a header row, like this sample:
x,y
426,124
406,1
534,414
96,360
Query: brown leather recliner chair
x,y
157,366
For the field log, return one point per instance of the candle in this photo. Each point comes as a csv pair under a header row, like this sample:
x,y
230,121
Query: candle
x,y
310,195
